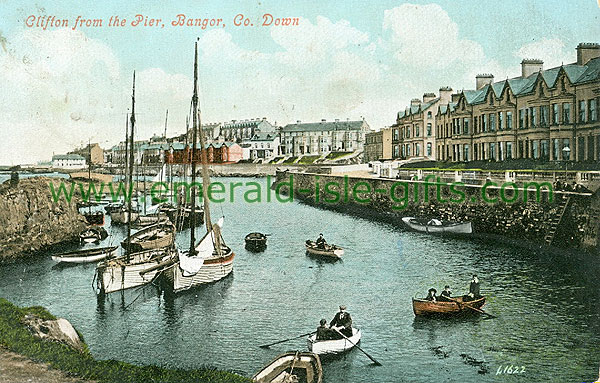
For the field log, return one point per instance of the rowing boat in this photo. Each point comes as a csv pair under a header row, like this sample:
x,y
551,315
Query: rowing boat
x,y
422,307
256,241
335,345
434,226
87,255
301,367
156,236
327,251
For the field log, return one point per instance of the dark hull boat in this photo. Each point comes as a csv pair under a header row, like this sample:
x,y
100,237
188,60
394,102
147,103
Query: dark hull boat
x,y
92,235
256,242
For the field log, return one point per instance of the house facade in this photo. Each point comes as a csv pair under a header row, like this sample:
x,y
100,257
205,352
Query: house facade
x,y
263,145
378,145
68,161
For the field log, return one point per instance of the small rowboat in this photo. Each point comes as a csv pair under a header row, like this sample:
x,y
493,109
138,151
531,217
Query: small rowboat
x,y
434,226
301,367
422,307
87,255
333,346
328,251
92,235
256,241
156,236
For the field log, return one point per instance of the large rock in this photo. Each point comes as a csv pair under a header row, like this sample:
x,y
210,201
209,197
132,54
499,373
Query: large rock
x,y
57,330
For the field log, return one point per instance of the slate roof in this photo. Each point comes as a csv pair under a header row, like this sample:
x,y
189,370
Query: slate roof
x,y
67,157
323,126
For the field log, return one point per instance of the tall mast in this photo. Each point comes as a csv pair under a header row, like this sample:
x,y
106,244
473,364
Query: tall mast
x,y
89,171
166,119
193,159
130,176
126,157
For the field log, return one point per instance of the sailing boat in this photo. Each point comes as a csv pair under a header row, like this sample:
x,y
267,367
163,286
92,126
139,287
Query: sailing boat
x,y
210,259
124,272
120,214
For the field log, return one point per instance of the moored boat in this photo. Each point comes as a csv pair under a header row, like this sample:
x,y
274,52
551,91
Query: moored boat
x,y
335,345
122,216
332,251
156,236
423,307
87,255
435,226
301,367
256,241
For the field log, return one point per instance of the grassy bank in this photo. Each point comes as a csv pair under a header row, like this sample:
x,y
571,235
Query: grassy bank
x,y
17,338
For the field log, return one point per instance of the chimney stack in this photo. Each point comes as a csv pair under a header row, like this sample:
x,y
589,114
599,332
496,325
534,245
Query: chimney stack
x,y
428,97
445,95
531,66
586,52
483,79
415,102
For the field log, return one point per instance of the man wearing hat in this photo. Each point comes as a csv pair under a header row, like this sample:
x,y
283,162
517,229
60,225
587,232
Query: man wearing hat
x,y
431,295
342,322
445,295
474,290
321,241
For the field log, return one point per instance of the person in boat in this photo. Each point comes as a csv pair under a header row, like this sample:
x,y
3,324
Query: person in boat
x,y
474,289
431,295
321,241
342,322
445,294
323,331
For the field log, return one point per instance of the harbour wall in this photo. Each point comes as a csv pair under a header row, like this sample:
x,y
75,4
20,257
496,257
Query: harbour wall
x,y
563,219
30,220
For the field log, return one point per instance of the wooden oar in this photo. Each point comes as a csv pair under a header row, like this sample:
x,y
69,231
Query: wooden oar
x,y
472,308
355,345
285,340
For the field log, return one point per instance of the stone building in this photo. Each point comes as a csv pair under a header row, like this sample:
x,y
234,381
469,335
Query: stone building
x,y
68,161
414,134
378,145
91,152
323,137
237,131
544,114
263,145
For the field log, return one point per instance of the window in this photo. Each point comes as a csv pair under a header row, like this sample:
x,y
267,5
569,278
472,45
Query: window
x,y
544,153
492,122
484,122
566,113
555,149
395,134
593,110
429,129
501,151
500,120
466,126
536,149
533,117
544,111
466,152
508,150
418,150
554,114
582,111
521,118
429,114
417,131
566,154
407,131
509,120
429,149
492,151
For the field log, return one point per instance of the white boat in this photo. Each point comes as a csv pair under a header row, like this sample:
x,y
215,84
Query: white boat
x,y
121,216
210,259
87,255
335,345
435,226
122,273
152,237
327,251
301,367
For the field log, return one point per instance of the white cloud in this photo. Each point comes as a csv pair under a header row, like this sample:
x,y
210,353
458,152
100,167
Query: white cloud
x,y
551,51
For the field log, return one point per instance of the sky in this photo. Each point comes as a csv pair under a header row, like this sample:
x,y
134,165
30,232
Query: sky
x,y
63,86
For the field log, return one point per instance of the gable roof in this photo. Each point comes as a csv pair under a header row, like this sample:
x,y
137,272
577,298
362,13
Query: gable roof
x,y
324,126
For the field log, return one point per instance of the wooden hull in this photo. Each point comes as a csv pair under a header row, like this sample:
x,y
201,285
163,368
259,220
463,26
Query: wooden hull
x,y
279,369
87,256
214,269
122,217
422,307
333,346
118,274
451,228
153,237
150,219
329,251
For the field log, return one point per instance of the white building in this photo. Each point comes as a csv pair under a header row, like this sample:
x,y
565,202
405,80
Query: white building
x,y
323,137
68,161
264,145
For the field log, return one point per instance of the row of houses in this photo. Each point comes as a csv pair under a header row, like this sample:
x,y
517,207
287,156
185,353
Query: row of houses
x,y
544,114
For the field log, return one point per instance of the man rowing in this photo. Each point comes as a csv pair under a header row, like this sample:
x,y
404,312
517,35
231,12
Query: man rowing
x,y
445,295
321,243
342,322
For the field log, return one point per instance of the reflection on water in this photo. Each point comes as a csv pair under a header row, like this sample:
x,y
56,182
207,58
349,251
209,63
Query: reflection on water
x,y
547,304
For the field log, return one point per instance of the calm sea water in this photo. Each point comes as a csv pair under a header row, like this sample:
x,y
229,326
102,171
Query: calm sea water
x,y
547,307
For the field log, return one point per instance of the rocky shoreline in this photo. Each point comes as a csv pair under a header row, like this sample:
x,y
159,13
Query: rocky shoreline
x,y
31,221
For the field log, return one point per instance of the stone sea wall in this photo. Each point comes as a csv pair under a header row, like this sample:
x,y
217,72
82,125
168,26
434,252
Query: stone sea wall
x,y
30,220
522,220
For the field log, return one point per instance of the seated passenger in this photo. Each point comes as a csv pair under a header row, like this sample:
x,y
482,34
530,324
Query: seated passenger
x,y
444,295
431,295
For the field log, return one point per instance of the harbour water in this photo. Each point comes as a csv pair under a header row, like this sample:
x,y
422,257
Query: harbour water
x,y
547,307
